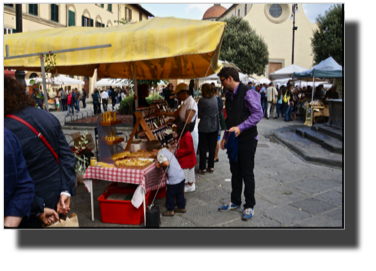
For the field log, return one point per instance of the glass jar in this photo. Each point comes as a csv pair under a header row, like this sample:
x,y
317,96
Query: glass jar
x,y
93,161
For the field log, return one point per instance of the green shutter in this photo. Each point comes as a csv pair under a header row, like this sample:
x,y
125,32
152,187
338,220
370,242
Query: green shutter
x,y
102,5
33,9
91,22
83,21
14,31
102,25
54,13
72,18
109,7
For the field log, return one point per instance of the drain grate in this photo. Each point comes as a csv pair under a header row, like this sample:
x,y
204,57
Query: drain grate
x,y
262,146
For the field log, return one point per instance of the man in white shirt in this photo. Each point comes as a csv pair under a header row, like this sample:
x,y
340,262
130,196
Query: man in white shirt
x,y
104,97
271,94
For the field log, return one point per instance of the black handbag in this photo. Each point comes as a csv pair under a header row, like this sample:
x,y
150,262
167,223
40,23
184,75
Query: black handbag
x,y
191,126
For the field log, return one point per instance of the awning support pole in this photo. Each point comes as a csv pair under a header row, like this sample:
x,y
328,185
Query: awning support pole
x,y
135,85
44,81
313,90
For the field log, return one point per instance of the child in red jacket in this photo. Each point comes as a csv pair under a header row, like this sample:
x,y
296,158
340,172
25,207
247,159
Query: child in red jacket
x,y
186,154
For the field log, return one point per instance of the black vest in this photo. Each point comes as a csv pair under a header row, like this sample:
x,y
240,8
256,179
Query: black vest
x,y
237,113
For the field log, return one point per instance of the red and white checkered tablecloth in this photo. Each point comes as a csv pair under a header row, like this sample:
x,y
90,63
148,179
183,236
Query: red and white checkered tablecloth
x,y
149,177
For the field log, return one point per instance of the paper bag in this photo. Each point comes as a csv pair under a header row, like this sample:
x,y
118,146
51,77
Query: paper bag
x,y
71,222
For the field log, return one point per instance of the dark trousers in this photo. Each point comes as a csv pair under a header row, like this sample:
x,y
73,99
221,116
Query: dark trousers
x,y
264,104
288,111
63,104
175,190
207,142
113,103
84,102
283,108
104,104
243,171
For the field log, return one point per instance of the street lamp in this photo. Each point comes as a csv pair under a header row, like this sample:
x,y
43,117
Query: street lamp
x,y
294,10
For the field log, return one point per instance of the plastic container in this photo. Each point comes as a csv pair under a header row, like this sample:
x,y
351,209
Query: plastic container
x,y
121,211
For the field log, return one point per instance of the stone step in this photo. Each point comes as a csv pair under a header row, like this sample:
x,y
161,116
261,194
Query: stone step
x,y
327,142
330,131
307,149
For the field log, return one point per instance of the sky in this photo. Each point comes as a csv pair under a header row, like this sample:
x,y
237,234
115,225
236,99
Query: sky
x,y
196,11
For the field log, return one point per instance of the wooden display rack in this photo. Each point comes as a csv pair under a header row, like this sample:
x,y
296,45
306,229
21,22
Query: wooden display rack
x,y
140,121
112,123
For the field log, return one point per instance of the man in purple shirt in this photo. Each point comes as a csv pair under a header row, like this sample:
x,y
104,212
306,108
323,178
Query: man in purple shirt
x,y
244,111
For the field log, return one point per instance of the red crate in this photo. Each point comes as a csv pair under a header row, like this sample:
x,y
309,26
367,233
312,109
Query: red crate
x,y
121,211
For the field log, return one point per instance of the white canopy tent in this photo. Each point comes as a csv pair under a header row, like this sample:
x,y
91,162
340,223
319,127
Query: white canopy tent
x,y
58,80
263,81
216,78
112,82
287,72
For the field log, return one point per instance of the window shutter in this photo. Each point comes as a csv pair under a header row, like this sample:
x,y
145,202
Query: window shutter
x,y
14,31
109,7
57,13
130,14
102,5
102,25
52,12
72,18
91,22
83,21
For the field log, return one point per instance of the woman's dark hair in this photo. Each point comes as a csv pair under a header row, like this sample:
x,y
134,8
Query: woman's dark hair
x,y
229,71
207,91
153,145
15,96
180,126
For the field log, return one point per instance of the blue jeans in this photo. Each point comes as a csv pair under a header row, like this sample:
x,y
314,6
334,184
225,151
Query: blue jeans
x,y
69,107
175,190
279,107
288,112
78,106
264,105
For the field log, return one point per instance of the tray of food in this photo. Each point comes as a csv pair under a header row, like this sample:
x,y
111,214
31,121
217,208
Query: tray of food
x,y
140,154
120,155
133,163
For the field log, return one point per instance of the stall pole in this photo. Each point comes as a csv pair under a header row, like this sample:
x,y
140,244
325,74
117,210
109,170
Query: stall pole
x,y
313,90
92,200
144,208
135,85
44,81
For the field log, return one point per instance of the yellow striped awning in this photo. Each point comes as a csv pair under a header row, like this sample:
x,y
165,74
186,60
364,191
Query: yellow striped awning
x,y
160,48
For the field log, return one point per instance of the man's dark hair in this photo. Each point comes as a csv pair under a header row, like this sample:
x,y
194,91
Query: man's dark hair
x,y
229,71
181,126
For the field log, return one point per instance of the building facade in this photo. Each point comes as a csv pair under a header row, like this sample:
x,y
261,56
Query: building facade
x,y
272,22
47,16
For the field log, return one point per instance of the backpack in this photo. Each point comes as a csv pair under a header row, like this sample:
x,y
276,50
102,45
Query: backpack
x,y
285,97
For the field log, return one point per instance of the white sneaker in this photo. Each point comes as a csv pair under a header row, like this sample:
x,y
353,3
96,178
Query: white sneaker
x,y
188,188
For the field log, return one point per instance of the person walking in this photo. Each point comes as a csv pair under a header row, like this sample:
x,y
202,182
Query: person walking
x,y
84,94
104,97
78,98
70,103
288,102
271,94
96,101
113,97
63,96
264,102
279,102
244,112
208,127
52,166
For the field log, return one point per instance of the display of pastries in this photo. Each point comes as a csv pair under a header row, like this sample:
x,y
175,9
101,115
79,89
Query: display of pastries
x,y
132,162
104,165
112,137
120,155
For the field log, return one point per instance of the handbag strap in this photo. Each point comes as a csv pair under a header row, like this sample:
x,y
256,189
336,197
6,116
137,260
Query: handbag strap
x,y
35,132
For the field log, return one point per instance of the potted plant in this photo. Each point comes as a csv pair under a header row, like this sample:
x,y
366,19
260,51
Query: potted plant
x,y
81,162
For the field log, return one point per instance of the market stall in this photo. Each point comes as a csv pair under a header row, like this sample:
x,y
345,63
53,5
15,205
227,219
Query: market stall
x,y
125,55
327,68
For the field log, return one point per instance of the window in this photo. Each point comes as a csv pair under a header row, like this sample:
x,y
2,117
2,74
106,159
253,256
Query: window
x,y
140,18
9,5
128,14
71,18
102,5
54,13
238,12
33,9
109,7
275,10
8,31
245,10
86,22
98,24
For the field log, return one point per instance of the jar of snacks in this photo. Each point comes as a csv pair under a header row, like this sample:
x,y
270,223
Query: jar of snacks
x,y
93,161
